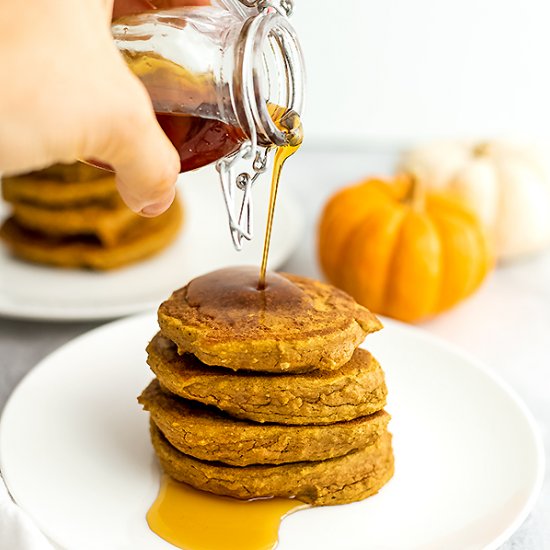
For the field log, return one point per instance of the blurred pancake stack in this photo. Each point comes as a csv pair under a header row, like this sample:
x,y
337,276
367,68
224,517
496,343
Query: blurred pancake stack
x,y
72,216
266,393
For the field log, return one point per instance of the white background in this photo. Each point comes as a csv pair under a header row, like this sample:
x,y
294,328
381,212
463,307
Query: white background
x,y
399,71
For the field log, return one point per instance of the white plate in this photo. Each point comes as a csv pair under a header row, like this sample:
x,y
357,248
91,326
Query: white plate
x,y
75,451
37,292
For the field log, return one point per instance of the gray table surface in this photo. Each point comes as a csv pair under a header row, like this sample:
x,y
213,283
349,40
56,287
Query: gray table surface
x,y
511,311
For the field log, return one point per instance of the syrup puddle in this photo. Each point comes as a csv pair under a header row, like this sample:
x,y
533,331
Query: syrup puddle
x,y
196,520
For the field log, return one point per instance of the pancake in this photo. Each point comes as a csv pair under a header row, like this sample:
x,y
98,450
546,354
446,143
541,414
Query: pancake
x,y
295,325
108,223
76,171
59,193
208,434
341,480
144,238
356,389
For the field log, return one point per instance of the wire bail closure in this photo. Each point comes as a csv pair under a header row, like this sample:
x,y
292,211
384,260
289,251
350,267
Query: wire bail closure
x,y
237,188
240,216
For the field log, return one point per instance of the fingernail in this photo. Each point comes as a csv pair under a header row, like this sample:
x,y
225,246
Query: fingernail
x,y
157,208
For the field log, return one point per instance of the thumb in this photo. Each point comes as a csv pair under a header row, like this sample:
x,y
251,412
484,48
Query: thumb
x,y
133,143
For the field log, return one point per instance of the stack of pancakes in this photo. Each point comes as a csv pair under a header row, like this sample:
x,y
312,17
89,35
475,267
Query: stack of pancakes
x,y
265,393
73,216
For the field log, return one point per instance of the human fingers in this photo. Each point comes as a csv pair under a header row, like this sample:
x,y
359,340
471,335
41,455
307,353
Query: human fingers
x,y
129,139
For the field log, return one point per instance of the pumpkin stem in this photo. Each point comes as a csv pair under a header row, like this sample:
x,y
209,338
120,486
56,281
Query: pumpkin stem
x,y
481,149
415,194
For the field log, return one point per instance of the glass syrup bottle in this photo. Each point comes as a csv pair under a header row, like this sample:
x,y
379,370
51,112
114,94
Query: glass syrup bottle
x,y
216,75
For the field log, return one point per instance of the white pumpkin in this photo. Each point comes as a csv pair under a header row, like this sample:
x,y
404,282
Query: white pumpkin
x,y
507,185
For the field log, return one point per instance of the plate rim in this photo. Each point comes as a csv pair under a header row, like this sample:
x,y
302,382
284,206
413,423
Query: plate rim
x,y
534,429
522,406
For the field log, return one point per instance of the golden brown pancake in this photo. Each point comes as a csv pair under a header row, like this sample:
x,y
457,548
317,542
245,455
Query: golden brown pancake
x,y
76,171
142,239
108,223
318,397
60,193
295,325
349,478
208,434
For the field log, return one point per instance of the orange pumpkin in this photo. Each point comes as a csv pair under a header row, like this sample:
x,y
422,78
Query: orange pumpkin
x,y
400,251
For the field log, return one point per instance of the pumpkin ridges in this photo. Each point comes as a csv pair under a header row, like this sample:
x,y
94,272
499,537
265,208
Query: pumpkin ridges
x,y
459,245
329,241
483,259
413,280
351,204
367,255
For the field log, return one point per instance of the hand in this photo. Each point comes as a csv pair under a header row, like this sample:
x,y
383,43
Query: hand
x,y
70,96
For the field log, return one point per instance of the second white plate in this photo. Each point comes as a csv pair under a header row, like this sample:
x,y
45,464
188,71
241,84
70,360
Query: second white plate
x,y
75,451
39,292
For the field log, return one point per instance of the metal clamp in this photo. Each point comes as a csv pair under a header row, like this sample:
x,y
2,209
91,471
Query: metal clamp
x,y
241,215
